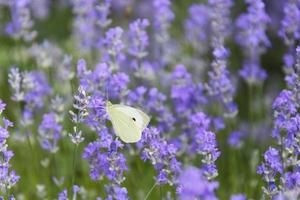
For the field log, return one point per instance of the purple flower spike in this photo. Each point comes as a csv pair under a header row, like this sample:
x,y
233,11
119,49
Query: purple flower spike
x,y
138,38
50,132
8,177
253,39
219,85
161,154
21,25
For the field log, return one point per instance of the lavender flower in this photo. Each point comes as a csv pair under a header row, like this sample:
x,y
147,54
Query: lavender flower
x,y
138,38
234,140
269,169
8,178
219,85
286,130
284,108
104,158
152,101
238,197
161,155
290,31
64,194
81,105
40,8
47,54
204,143
118,85
31,88
253,39
21,25
91,81
114,47
117,192
103,11
91,18
50,132
163,16
186,94
15,81
194,185
197,27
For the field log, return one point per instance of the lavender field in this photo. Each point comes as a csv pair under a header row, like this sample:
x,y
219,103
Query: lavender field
x,y
219,81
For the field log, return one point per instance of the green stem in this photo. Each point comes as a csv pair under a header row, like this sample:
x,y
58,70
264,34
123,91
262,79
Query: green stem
x,y
250,108
54,165
152,188
74,164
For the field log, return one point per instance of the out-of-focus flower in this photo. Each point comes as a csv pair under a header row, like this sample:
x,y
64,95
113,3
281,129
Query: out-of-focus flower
x,y
238,197
219,85
50,132
40,8
21,24
138,38
163,16
194,185
186,95
197,27
290,32
235,139
91,18
64,194
46,54
29,87
114,45
253,39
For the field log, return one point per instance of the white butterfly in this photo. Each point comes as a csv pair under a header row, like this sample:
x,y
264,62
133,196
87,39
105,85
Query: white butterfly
x,y
128,122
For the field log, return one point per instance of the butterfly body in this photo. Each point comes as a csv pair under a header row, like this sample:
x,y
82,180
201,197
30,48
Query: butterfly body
x,y
128,122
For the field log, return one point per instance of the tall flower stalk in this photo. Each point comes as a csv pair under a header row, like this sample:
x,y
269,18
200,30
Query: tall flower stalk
x,y
280,169
8,177
219,85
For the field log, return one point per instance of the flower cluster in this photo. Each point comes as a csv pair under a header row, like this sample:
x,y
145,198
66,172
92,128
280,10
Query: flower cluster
x,y
21,25
253,39
91,18
198,21
177,61
105,160
204,143
30,88
219,85
161,155
290,32
8,177
286,130
50,132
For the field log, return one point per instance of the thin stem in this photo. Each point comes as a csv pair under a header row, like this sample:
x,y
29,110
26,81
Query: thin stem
x,y
74,164
250,108
152,188
55,174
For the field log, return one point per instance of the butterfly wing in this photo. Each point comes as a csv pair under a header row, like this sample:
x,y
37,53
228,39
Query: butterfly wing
x,y
127,122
